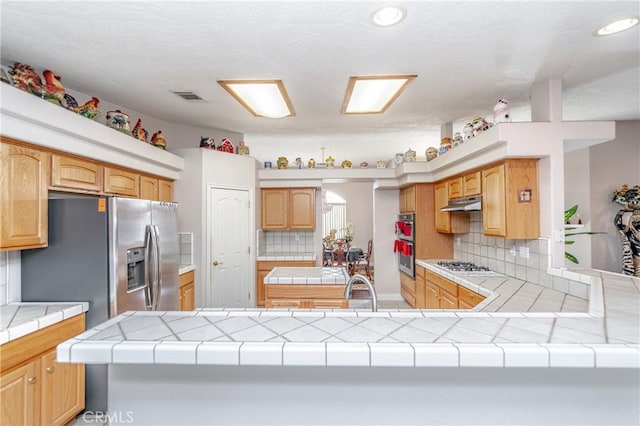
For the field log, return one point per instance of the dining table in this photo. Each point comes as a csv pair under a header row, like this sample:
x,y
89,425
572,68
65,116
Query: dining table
x,y
353,255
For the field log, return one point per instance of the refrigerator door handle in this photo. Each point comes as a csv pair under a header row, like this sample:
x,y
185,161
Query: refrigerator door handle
x,y
158,273
148,254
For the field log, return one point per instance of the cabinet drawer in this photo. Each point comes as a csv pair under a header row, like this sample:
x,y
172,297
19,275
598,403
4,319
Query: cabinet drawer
x,y
410,298
445,284
468,296
74,173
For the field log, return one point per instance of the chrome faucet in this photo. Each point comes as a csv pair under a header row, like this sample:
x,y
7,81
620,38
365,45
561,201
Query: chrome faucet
x,y
372,291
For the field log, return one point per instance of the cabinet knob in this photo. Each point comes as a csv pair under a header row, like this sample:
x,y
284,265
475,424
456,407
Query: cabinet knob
x,y
216,263
51,369
32,380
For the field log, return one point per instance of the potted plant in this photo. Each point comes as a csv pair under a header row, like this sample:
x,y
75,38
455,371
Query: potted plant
x,y
568,214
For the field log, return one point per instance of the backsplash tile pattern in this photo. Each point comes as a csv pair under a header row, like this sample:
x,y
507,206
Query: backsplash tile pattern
x,y
285,242
186,248
4,278
508,257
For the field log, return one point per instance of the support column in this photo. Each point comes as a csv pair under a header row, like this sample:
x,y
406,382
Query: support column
x,y
546,100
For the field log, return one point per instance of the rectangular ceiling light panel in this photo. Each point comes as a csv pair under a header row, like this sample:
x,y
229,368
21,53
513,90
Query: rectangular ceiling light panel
x,y
374,94
263,98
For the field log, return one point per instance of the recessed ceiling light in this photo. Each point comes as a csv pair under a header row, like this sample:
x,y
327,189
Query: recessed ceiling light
x,y
262,98
388,15
616,27
373,94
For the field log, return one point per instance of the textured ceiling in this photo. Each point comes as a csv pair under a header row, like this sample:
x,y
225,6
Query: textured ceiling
x,y
466,55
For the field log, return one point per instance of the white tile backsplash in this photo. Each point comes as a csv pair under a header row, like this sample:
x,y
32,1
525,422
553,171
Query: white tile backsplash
x,y
286,242
10,289
186,248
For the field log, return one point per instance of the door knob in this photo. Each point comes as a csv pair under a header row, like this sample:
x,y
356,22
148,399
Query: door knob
x,y
216,263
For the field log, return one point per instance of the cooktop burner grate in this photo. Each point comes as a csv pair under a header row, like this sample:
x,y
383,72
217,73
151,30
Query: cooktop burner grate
x,y
459,266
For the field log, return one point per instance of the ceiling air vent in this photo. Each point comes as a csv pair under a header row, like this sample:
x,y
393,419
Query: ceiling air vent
x,y
188,96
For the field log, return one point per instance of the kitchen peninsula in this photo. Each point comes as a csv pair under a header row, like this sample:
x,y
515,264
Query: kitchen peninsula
x,y
386,367
306,287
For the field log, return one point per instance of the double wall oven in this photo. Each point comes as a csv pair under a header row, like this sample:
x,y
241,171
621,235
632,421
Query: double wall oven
x,y
404,243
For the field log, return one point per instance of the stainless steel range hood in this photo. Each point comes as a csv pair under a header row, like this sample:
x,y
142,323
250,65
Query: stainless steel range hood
x,y
463,204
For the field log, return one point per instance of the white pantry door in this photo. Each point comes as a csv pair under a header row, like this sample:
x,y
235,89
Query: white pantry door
x,y
229,249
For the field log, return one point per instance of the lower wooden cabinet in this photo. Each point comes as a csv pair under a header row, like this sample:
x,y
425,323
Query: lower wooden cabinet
x,y
408,289
441,293
187,288
305,296
34,388
264,267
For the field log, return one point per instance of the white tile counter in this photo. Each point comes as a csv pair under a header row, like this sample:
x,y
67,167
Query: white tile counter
x,y
183,269
306,275
286,256
602,336
20,319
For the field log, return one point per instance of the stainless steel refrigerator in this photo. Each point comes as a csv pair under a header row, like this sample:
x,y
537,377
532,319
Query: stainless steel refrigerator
x,y
118,254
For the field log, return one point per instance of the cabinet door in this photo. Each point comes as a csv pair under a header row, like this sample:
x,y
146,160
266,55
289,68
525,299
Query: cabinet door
x,y
75,173
24,181
408,199
165,190
149,188
302,213
62,389
20,395
402,200
275,208
187,297
420,293
448,301
260,286
467,298
472,184
493,201
455,187
431,296
121,182
443,219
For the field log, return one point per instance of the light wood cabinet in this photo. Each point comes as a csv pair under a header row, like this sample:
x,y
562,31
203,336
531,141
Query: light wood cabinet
x,y
467,299
420,287
472,184
34,388
454,187
288,208
510,199
121,182
187,300
165,190
305,296
264,267
449,222
24,181
441,293
408,199
149,188
408,289
70,173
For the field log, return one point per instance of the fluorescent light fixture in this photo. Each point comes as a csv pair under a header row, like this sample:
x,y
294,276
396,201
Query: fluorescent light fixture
x,y
373,94
388,16
616,27
263,98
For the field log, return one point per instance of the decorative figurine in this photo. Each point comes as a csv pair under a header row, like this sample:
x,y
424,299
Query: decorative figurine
x,y
431,153
409,155
298,163
331,162
346,164
242,149
267,164
206,142
381,164
283,163
479,125
118,120
158,140
445,144
364,165
25,78
138,132
226,146
457,139
311,163
501,112
399,158
468,131
89,109
52,90
70,102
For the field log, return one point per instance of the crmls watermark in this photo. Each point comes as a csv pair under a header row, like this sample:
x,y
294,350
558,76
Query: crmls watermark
x,y
111,418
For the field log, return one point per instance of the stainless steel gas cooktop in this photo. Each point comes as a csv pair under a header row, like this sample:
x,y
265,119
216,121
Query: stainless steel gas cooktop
x,y
458,266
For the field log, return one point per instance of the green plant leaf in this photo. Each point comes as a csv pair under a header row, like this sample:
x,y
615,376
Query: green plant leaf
x,y
569,242
584,233
571,257
570,212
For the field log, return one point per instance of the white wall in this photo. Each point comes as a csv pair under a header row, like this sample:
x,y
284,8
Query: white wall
x,y
612,164
576,191
359,198
387,276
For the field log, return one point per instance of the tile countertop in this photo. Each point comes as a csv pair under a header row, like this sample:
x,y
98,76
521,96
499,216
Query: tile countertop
x,y
605,336
293,256
20,319
306,275
183,269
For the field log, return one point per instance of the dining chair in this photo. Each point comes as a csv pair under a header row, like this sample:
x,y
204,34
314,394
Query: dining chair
x,y
363,263
339,253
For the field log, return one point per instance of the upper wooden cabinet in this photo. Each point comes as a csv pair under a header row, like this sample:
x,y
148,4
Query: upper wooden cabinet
x,y
73,173
408,199
121,182
288,208
472,184
149,188
510,199
449,222
24,179
165,190
454,187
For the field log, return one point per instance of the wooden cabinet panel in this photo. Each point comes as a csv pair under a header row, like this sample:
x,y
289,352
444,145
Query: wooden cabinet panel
x,y
493,201
275,208
20,395
449,222
121,182
302,213
24,179
62,388
448,301
420,293
408,199
468,298
72,173
149,189
264,267
455,187
165,190
186,284
472,184
305,296
408,289
432,296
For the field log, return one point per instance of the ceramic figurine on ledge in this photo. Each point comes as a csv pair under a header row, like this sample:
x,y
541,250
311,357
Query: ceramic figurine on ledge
x,y
364,165
346,164
25,78
331,162
311,163
52,90
242,149
282,162
206,142
431,153
70,102
479,125
457,139
226,146
118,120
445,145
298,162
89,109
158,140
138,132
501,112
468,131
409,155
